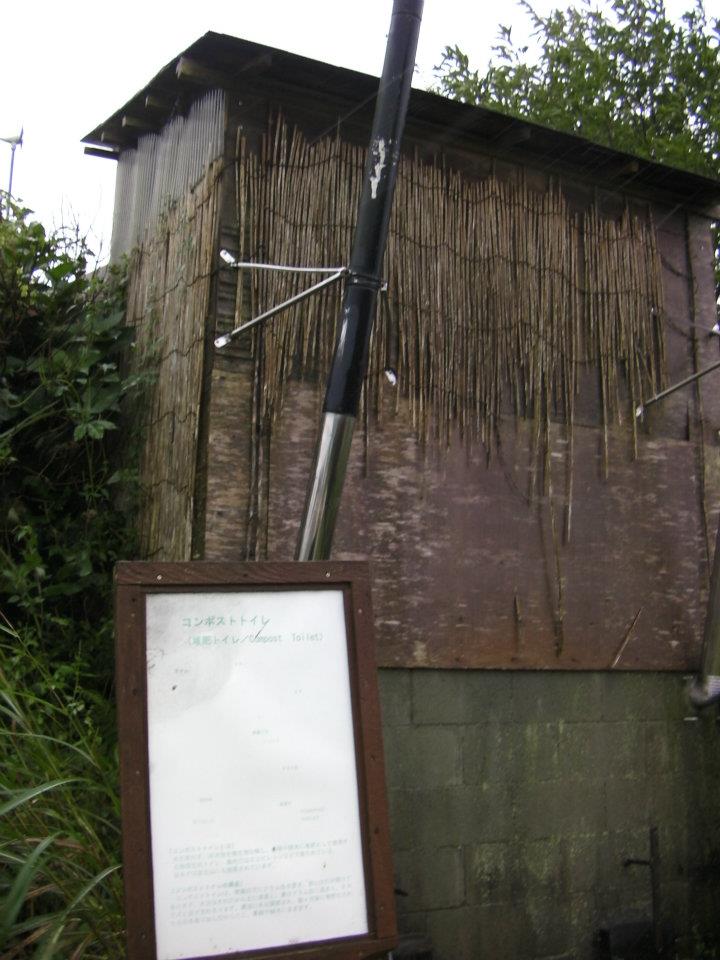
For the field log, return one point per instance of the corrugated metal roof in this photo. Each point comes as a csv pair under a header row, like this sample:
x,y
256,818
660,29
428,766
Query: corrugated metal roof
x,y
229,62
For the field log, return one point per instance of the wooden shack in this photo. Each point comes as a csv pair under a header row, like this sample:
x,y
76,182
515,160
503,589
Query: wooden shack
x,y
540,554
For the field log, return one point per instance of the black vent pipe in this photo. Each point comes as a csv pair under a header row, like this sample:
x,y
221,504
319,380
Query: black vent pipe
x,y
350,360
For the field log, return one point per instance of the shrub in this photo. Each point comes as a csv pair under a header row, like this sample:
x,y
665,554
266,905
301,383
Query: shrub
x,y
66,505
66,514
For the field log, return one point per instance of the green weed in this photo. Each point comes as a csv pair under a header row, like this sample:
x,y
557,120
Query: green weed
x,y
60,886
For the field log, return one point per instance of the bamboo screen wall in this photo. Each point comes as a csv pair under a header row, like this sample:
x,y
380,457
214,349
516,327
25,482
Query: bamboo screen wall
x,y
525,316
166,214
168,300
500,297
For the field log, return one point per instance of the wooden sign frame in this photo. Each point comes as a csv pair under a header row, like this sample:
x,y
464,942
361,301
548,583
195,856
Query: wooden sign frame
x,y
135,582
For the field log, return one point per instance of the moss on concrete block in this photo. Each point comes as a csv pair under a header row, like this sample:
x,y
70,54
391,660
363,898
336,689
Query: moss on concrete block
x,y
490,752
395,696
660,747
516,798
628,804
428,819
547,696
602,751
541,868
587,864
422,758
553,808
643,696
550,932
491,873
473,696
538,755
430,879
501,932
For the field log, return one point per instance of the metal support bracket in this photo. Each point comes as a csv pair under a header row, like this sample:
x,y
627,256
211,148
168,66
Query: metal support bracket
x,y
677,386
336,273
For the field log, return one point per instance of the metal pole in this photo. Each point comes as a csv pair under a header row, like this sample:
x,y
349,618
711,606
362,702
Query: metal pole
x,y
705,689
677,386
349,364
12,164
14,143
303,295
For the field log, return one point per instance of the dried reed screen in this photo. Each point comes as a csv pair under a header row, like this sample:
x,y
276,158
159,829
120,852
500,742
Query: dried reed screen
x,y
168,298
500,298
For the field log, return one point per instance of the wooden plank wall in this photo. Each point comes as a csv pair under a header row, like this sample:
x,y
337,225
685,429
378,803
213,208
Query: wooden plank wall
x,y
468,571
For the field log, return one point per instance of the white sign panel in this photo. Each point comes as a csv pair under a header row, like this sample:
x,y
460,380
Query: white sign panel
x,y
254,814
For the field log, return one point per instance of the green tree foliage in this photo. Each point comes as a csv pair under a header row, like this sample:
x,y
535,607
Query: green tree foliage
x,y
62,343
625,76
66,501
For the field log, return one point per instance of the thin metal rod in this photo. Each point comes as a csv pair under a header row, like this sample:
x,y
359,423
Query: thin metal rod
x,y
12,166
246,265
225,339
14,142
676,386
350,360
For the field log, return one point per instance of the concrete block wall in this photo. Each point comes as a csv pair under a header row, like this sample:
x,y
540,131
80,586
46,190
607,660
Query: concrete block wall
x,y
515,797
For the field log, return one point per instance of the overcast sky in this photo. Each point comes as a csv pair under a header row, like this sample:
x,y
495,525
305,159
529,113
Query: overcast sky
x,y
66,66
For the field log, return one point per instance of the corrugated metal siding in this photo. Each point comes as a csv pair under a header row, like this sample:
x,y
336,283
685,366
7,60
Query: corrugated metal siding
x,y
162,168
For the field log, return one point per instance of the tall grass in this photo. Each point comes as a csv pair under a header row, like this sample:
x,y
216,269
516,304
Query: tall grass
x,y
60,885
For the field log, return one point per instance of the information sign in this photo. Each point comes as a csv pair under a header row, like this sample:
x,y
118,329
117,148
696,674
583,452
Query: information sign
x,y
254,816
